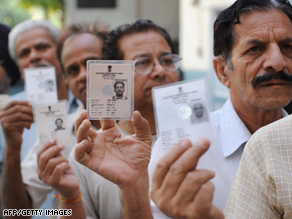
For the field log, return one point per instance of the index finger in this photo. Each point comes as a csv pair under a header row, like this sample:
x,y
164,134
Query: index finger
x,y
182,157
17,102
107,124
82,116
45,146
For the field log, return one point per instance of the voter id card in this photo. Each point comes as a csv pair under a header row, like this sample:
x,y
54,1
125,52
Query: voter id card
x,y
182,111
110,89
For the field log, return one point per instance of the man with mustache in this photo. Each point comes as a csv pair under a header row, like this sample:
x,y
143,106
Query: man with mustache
x,y
253,57
32,43
119,88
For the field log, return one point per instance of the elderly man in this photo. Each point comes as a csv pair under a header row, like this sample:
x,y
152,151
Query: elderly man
x,y
253,60
30,191
144,42
252,48
32,43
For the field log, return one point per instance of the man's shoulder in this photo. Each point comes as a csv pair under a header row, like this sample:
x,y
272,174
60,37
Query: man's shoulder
x,y
19,96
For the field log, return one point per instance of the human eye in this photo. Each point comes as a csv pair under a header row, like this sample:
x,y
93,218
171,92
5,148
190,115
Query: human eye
x,y
254,49
286,47
42,46
142,63
23,53
72,71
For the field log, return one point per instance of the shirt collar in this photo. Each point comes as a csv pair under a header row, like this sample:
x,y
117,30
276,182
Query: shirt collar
x,y
233,130
73,103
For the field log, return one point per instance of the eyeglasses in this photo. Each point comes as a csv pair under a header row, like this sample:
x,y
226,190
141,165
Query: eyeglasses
x,y
145,65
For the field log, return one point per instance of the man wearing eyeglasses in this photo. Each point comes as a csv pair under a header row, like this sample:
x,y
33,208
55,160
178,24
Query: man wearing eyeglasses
x,y
150,47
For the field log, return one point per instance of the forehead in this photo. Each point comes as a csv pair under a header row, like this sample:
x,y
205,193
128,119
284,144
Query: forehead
x,y
85,44
32,37
263,26
150,42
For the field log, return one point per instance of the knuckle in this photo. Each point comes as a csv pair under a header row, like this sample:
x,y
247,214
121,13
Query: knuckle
x,y
176,169
161,164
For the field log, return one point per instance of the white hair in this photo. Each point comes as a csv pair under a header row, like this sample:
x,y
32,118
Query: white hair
x,y
28,25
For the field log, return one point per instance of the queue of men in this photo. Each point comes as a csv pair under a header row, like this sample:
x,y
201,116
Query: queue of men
x,y
106,170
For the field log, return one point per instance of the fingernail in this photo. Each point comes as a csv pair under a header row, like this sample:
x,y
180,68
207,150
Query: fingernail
x,y
202,143
52,141
60,146
185,143
30,103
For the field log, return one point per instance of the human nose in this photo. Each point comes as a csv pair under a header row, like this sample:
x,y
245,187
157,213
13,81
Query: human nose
x,y
82,74
274,60
34,56
158,70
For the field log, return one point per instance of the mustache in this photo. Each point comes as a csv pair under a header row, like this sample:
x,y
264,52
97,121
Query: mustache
x,y
282,75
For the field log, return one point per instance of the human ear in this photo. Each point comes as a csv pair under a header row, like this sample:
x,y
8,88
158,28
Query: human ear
x,y
221,70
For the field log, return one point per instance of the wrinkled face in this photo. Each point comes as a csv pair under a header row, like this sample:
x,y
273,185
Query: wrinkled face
x,y
148,44
75,53
35,48
262,61
199,110
119,89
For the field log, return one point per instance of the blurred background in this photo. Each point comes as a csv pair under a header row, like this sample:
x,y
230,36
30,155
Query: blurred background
x,y
189,22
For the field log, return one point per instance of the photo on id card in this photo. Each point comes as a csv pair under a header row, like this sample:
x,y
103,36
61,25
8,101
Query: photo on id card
x,y
52,122
110,89
40,85
181,111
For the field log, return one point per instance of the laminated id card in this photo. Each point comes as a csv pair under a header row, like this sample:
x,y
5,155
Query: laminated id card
x,y
40,85
4,99
52,122
181,111
110,89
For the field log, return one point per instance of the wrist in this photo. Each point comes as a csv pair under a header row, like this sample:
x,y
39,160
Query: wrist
x,y
135,199
71,198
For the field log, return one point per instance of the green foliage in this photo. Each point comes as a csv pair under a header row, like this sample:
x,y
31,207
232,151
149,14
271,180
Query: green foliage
x,y
47,5
10,14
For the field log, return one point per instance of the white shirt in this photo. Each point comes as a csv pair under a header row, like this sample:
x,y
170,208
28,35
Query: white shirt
x,y
223,156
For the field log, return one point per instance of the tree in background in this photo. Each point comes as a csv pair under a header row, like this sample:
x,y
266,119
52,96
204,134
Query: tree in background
x,y
53,9
11,14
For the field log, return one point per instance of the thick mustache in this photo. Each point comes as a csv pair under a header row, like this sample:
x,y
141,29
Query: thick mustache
x,y
282,75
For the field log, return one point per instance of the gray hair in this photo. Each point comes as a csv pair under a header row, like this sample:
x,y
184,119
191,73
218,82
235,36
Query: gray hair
x,y
28,25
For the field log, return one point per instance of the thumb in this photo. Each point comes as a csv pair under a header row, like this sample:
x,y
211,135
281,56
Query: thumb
x,y
142,129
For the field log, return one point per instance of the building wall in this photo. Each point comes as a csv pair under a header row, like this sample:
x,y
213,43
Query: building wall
x,y
196,43
163,12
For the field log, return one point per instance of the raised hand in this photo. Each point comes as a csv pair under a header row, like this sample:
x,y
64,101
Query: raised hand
x,y
120,159
16,116
179,189
55,170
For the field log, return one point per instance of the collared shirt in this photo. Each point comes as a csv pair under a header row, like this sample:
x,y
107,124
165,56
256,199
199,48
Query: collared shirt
x,y
223,156
29,136
263,183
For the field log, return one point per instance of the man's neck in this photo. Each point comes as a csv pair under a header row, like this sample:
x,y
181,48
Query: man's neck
x,y
255,118
147,113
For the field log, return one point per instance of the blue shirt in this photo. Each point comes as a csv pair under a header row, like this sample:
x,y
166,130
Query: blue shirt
x,y
30,135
